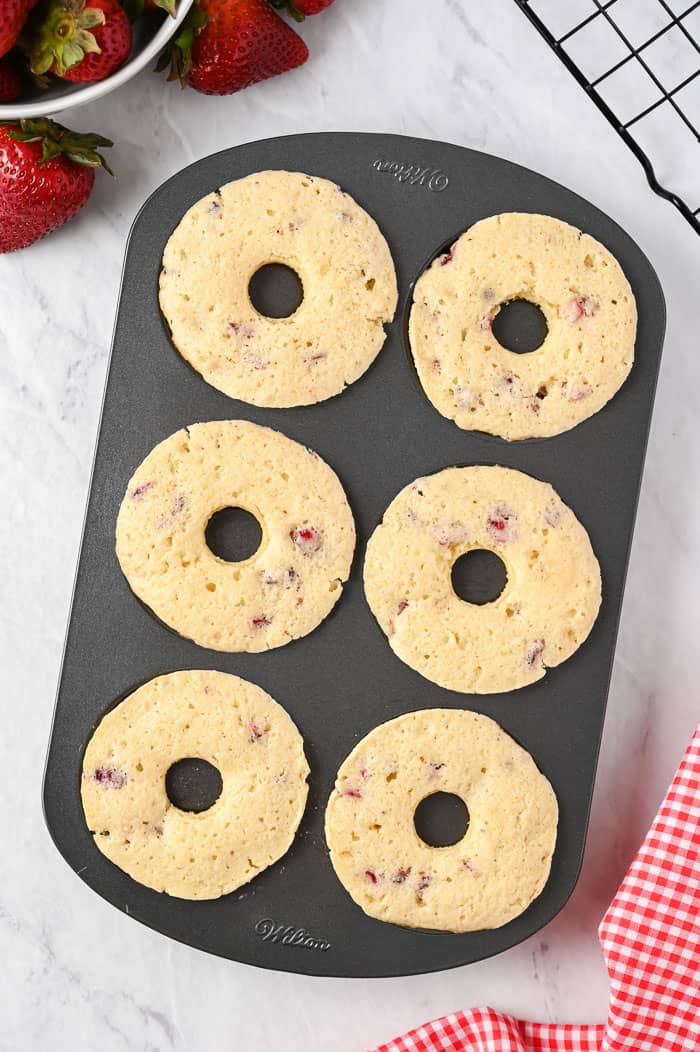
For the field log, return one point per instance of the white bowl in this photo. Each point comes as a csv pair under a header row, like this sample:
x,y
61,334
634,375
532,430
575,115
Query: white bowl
x,y
150,37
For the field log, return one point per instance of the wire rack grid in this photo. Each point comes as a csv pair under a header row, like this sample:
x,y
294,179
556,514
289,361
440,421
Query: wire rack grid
x,y
639,60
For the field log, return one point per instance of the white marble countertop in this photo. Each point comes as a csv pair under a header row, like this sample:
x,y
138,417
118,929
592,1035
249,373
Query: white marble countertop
x,y
77,974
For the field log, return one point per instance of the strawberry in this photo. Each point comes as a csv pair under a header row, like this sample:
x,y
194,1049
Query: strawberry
x,y
299,9
46,175
76,41
13,15
10,85
226,45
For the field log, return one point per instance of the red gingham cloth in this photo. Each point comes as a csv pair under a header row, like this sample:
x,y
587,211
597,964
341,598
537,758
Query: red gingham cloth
x,y
651,943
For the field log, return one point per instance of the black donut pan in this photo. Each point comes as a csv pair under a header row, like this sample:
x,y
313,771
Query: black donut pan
x,y
343,679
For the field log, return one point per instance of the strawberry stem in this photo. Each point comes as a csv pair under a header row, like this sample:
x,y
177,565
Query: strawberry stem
x,y
79,147
59,35
178,54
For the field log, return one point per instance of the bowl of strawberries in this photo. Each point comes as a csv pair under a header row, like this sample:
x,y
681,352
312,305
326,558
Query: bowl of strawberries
x,y
60,53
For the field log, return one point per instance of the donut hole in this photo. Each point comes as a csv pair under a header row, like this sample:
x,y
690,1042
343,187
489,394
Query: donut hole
x,y
233,534
519,326
479,576
441,819
193,784
276,290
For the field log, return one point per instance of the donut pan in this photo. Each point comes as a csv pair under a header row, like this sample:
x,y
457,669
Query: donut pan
x,y
343,679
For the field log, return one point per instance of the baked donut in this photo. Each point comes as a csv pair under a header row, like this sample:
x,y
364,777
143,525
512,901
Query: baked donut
x,y
336,249
231,724
485,879
287,587
588,306
544,613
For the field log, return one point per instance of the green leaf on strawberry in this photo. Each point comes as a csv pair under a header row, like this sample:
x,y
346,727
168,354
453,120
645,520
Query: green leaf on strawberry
x,y
62,36
177,56
79,147
169,6
80,40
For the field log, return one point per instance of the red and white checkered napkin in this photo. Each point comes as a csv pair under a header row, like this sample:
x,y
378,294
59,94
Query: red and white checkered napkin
x,y
651,942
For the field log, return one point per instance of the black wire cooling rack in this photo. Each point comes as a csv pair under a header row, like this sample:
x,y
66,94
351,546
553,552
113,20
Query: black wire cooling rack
x,y
639,60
